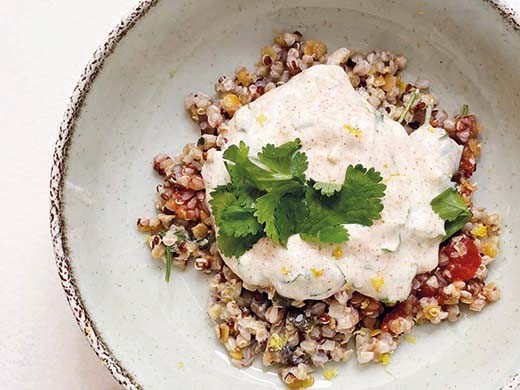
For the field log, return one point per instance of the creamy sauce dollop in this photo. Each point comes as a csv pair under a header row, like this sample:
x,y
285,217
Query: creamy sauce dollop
x,y
337,127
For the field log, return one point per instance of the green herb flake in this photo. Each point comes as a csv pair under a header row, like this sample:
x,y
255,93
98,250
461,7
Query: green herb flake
x,y
168,263
180,235
409,105
465,110
387,250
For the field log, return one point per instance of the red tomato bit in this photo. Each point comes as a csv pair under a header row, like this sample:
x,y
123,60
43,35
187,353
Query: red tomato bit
x,y
463,258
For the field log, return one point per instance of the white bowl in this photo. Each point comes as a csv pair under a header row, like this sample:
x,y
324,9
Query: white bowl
x,y
128,106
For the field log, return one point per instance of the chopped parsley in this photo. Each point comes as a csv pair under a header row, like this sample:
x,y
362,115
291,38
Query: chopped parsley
x,y
409,105
387,301
450,206
168,263
273,198
171,250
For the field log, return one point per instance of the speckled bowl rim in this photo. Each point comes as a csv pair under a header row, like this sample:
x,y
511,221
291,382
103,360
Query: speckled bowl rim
x,y
58,173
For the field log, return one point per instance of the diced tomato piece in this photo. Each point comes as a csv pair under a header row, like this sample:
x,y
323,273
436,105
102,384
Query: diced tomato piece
x,y
463,258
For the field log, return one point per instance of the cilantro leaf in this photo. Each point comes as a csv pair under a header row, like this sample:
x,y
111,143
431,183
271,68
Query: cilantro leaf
x,y
238,225
251,173
244,192
360,197
450,206
244,189
358,202
272,198
332,234
236,246
222,197
327,189
285,158
290,215
232,211
452,227
238,221
266,208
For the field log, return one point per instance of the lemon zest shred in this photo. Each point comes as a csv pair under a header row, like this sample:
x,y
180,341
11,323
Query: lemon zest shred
x,y
276,342
317,272
330,373
301,383
377,282
261,119
410,339
391,176
337,252
285,270
385,359
352,130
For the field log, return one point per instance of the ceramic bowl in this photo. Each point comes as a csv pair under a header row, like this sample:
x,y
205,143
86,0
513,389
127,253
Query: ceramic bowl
x,y
128,106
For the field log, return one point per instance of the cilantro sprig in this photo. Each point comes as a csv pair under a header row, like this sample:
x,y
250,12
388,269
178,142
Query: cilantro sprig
x,y
271,197
450,206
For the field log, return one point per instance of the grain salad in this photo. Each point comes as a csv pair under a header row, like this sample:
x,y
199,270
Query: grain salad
x,y
363,314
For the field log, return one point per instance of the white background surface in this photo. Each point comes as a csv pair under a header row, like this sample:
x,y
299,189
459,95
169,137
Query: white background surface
x,y
48,44
45,45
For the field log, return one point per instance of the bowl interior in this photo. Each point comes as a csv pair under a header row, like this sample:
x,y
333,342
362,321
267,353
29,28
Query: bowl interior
x,y
160,332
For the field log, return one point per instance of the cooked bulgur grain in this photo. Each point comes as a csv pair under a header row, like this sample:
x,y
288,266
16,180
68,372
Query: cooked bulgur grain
x,y
302,336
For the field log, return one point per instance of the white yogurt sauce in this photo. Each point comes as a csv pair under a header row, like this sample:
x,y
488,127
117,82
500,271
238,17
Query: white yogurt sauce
x,y
337,128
